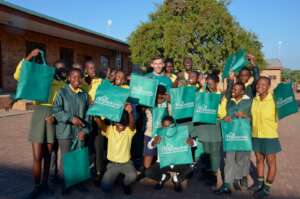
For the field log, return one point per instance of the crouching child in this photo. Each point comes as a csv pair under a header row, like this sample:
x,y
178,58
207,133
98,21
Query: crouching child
x,y
162,175
119,136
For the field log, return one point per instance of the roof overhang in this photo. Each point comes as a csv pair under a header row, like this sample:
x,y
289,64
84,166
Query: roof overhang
x,y
43,24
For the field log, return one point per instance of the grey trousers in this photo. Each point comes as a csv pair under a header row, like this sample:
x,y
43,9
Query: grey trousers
x,y
237,165
113,170
64,146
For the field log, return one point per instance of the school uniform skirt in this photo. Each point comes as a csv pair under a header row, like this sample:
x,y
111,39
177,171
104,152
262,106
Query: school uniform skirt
x,y
40,131
266,145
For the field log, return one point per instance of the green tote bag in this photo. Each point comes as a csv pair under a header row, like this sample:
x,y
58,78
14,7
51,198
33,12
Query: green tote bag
x,y
206,107
285,100
35,81
182,102
236,135
158,113
172,149
109,101
235,62
143,90
76,165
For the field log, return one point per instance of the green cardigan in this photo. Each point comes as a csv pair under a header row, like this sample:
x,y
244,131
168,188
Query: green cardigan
x,y
67,105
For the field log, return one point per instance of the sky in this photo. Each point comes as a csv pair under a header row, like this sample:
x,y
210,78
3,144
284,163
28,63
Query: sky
x,y
275,22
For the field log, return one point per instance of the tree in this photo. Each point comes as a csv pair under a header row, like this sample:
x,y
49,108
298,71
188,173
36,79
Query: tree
x,y
201,29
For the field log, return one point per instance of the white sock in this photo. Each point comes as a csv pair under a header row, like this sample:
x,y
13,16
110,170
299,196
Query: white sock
x,y
163,177
175,179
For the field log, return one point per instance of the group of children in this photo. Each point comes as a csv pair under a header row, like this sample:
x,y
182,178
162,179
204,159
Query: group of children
x,y
128,148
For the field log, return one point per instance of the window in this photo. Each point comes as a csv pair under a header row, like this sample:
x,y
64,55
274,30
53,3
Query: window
x,y
33,45
66,55
104,62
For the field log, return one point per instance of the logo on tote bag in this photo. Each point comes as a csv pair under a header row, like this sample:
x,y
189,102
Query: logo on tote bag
x,y
206,110
141,91
282,102
169,149
232,137
182,105
103,100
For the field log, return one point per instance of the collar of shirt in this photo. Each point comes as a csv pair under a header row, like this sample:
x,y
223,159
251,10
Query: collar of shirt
x,y
238,101
78,90
267,98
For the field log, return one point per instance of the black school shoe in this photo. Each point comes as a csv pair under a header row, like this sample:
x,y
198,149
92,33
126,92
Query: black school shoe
x,y
47,190
262,194
177,186
223,190
161,183
35,192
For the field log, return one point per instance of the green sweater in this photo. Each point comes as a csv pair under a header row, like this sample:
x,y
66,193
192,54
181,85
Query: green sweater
x,y
244,105
67,105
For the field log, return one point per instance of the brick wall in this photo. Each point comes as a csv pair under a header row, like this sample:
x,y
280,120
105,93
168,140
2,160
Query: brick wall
x,y
13,49
275,76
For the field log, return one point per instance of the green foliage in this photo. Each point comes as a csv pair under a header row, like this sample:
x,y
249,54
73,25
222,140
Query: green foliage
x,y
201,29
294,75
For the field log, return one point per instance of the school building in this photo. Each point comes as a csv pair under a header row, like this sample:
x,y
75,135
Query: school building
x,y
22,30
273,70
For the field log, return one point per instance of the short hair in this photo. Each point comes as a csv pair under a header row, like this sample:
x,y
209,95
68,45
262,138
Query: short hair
x,y
187,58
89,62
245,69
161,90
71,70
241,85
213,77
168,118
265,78
169,60
157,57
60,61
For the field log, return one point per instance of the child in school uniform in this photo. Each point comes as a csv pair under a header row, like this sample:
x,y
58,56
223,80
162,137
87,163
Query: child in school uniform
x,y
95,140
169,64
120,79
265,137
42,131
210,137
69,109
149,154
245,75
162,175
237,164
119,136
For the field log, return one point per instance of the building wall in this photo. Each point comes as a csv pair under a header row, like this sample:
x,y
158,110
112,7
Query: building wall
x,y
13,49
274,74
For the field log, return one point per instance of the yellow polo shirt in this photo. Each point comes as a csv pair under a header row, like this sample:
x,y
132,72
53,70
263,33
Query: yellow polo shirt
x,y
264,121
92,88
119,144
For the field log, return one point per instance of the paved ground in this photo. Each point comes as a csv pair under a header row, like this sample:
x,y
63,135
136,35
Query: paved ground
x,y
16,161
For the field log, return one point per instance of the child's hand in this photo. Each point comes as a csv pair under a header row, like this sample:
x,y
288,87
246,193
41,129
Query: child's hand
x,y
128,108
156,140
190,142
168,98
50,119
251,59
33,53
81,136
240,114
227,119
231,76
77,122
